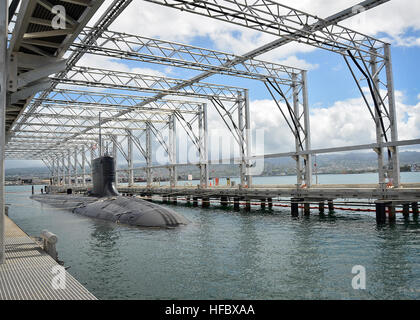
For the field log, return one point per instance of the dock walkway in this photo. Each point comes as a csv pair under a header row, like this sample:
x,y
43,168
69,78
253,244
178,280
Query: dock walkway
x,y
28,272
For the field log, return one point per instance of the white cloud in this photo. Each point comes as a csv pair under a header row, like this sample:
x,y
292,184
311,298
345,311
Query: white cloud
x,y
345,123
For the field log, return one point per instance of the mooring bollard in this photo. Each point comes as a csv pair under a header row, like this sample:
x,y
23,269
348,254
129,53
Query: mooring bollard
x,y
49,240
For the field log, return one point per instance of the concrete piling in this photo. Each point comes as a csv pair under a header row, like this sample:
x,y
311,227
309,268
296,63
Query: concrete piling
x,y
270,203
224,201
248,205
205,202
295,207
195,202
380,213
415,207
331,206
406,211
307,209
392,213
263,204
321,208
236,203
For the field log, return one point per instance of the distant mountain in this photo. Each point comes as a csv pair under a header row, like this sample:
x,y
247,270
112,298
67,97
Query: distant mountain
x,y
359,160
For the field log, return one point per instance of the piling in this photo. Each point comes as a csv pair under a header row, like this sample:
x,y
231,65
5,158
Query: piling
x,y
331,206
415,207
295,207
263,204
33,190
406,211
321,208
205,202
391,213
307,209
195,202
224,201
174,200
270,203
188,199
248,205
236,203
380,212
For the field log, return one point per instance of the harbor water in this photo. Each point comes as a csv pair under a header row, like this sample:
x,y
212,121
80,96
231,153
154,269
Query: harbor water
x,y
225,254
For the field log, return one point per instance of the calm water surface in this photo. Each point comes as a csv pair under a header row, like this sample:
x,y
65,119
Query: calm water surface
x,y
224,254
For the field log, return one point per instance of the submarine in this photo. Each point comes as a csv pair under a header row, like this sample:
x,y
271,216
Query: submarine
x,y
104,202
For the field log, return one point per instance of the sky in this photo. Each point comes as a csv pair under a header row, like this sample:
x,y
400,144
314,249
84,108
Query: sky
x,y
337,112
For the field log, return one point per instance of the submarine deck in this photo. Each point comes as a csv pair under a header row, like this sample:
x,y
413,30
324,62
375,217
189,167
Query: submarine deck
x,y
27,273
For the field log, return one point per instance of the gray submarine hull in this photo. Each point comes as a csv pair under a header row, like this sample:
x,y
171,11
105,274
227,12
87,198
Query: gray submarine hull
x,y
105,202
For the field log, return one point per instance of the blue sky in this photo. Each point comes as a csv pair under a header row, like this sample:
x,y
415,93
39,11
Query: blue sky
x,y
332,91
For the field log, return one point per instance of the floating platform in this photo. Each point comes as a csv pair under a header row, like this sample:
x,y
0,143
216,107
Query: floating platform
x,y
28,271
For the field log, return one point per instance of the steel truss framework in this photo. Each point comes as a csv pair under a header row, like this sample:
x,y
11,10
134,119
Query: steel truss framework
x,y
58,120
370,57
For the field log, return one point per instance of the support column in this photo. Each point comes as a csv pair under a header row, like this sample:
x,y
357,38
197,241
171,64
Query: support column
x,y
4,9
395,158
172,151
130,159
330,206
205,202
63,170
236,204
415,207
297,143
307,209
263,204
242,150
69,168
380,212
270,203
307,126
295,207
406,211
392,217
248,139
149,155
224,201
321,208
76,163
114,155
203,153
378,117
195,202
83,166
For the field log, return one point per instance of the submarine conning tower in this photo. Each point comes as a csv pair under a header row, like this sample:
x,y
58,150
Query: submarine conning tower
x,y
103,177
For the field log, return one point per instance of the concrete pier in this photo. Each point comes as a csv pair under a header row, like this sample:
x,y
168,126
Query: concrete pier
x,y
270,203
224,201
380,212
415,207
406,211
236,205
29,273
205,202
321,208
330,206
295,207
307,209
